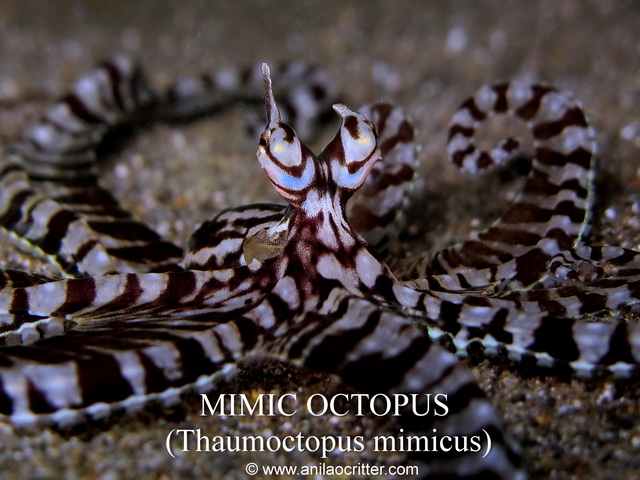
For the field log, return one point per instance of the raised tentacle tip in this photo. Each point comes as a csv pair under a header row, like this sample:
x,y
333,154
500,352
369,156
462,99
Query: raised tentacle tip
x,y
342,110
273,114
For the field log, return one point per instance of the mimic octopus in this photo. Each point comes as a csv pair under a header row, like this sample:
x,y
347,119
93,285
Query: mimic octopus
x,y
311,282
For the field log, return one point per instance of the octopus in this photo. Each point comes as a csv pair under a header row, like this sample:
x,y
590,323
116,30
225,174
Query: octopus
x,y
131,319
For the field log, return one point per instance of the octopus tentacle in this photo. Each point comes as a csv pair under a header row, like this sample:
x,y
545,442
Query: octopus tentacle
x,y
305,93
52,203
54,380
387,355
549,215
219,243
77,225
375,211
302,282
342,326
152,335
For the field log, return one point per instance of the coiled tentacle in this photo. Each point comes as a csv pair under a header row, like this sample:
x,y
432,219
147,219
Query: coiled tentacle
x,y
302,282
551,212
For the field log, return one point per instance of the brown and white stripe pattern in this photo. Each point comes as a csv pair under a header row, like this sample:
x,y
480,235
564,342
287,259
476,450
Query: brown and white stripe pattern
x,y
375,211
297,282
365,344
305,92
51,201
552,210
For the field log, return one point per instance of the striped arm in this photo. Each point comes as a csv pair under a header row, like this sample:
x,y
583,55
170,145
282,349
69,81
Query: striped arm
x,y
305,91
551,212
56,381
376,210
60,149
77,244
50,200
220,243
376,351
542,325
588,264
10,278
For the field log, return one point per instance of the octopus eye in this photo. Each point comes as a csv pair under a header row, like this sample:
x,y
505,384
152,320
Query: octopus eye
x,y
288,163
284,146
358,135
279,144
359,142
